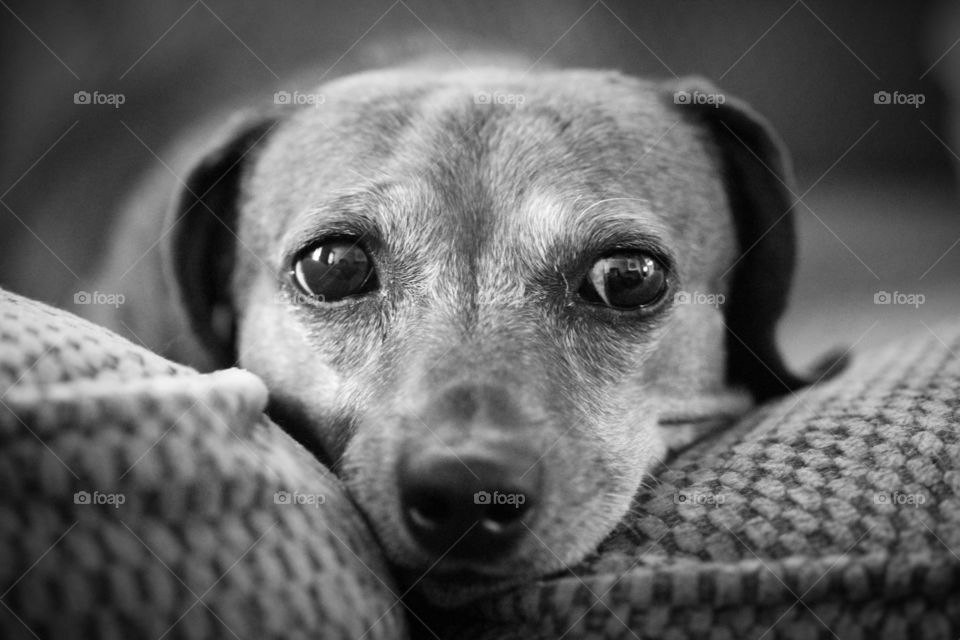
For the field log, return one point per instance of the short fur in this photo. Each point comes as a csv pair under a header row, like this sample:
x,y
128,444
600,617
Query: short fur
x,y
482,220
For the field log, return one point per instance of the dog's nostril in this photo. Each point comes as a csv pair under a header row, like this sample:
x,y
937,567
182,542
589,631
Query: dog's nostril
x,y
466,507
503,515
429,510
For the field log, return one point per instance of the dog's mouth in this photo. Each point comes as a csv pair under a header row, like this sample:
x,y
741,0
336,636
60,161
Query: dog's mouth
x,y
462,573
446,580
419,562
452,587
459,519
685,421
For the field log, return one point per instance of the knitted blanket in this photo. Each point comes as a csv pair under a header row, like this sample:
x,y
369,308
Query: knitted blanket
x,y
831,513
142,499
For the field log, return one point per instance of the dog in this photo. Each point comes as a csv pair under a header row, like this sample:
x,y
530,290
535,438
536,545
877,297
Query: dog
x,y
491,301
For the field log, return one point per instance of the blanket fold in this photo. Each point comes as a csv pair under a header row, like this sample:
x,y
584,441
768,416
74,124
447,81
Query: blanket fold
x,y
142,499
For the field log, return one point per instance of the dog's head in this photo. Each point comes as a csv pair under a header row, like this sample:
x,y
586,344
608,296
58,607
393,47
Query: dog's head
x,y
487,299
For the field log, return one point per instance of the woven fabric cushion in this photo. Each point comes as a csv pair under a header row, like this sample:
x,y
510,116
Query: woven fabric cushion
x,y
141,499
832,513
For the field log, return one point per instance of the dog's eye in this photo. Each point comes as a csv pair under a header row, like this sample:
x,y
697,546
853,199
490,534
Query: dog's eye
x,y
334,269
625,281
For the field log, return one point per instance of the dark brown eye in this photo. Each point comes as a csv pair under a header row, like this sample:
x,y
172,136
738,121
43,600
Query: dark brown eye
x,y
335,269
625,281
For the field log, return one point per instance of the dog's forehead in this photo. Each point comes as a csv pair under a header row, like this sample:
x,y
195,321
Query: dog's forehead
x,y
494,158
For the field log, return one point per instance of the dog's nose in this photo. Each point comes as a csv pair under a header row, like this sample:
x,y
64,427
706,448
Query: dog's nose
x,y
467,507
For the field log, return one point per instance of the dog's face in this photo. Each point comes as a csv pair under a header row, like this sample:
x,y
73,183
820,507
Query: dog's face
x,y
470,292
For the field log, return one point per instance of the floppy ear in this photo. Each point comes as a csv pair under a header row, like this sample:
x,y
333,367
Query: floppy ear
x,y
759,182
201,243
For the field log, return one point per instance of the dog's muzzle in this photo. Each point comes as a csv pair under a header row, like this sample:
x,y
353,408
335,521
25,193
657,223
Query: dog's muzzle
x,y
471,493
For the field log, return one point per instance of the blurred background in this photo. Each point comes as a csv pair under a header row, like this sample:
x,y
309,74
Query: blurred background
x,y
865,95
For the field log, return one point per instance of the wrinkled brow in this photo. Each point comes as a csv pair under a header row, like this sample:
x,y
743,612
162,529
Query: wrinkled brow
x,y
375,213
553,230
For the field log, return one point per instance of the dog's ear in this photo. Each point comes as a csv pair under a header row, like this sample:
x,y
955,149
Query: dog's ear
x,y
201,242
759,182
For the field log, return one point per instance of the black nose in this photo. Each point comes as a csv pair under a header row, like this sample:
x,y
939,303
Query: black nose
x,y
468,506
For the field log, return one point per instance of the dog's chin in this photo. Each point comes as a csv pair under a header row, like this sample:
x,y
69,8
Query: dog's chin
x,y
453,589
452,584
505,567
449,582
571,522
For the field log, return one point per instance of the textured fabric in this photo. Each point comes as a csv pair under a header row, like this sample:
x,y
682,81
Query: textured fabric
x,y
141,499
832,513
